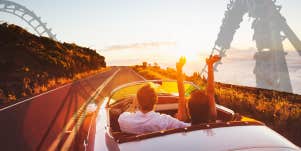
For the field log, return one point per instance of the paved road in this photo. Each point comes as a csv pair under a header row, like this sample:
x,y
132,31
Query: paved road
x,y
36,123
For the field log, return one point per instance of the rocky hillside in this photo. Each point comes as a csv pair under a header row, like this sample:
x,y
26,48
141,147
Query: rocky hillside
x,y
28,62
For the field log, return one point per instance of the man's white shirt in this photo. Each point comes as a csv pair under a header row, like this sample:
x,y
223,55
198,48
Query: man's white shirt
x,y
138,122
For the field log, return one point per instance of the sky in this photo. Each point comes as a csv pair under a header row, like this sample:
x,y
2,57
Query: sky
x,y
99,24
128,32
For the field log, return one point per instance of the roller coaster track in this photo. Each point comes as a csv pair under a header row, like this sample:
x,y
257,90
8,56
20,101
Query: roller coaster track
x,y
220,50
270,29
28,16
222,44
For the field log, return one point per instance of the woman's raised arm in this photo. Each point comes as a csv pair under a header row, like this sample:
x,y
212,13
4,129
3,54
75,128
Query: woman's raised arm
x,y
182,111
210,85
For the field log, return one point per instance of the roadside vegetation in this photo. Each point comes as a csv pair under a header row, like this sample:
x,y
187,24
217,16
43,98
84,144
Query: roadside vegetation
x,y
30,64
280,111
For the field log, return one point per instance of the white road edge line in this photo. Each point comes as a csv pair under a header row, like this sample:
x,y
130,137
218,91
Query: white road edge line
x,y
75,129
44,93
140,76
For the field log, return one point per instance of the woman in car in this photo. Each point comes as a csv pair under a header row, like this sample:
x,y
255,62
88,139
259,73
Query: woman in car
x,y
145,119
201,103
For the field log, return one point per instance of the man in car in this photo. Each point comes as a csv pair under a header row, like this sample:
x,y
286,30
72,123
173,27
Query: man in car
x,y
146,119
201,103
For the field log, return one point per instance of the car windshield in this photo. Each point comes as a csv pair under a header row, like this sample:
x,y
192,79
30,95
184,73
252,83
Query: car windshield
x,y
161,88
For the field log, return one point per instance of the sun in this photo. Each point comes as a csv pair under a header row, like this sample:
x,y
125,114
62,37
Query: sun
x,y
190,54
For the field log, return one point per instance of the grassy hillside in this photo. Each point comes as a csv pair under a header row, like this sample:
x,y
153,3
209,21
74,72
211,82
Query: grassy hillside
x,y
281,111
30,64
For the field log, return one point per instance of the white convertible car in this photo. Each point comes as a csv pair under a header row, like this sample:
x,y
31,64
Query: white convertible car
x,y
230,133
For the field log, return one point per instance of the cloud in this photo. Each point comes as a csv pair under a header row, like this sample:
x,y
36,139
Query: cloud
x,y
144,45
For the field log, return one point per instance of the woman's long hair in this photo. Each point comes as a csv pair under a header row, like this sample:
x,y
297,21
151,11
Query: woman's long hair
x,y
198,106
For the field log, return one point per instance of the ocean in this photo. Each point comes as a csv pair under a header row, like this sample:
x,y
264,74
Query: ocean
x,y
236,68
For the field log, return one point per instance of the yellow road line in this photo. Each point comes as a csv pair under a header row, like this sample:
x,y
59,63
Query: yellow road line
x,y
81,114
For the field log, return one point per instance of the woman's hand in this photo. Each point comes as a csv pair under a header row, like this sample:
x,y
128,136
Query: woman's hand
x,y
181,63
212,59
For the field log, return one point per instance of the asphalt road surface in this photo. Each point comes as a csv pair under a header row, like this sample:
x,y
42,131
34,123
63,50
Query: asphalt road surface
x,y
35,123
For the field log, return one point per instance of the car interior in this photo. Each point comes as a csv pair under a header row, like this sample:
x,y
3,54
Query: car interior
x,y
167,104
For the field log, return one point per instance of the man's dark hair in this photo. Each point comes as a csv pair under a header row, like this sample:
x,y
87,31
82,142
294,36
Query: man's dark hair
x,y
147,98
198,106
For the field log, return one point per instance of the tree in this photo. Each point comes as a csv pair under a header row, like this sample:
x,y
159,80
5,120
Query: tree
x,y
144,64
